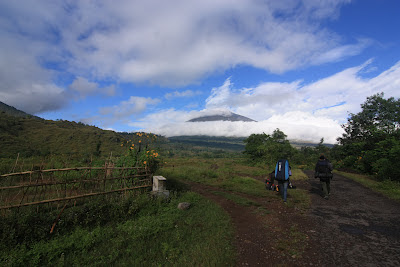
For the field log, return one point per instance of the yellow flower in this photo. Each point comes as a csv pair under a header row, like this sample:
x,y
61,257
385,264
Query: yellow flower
x,y
144,162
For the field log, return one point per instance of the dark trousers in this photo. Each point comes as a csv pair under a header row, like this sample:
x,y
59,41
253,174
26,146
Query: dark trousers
x,y
326,187
283,189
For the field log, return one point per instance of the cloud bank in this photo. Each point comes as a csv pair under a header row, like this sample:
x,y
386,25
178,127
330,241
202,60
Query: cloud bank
x,y
168,43
297,125
303,111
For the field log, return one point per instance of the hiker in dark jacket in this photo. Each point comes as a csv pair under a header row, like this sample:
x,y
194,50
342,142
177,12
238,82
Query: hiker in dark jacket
x,y
323,171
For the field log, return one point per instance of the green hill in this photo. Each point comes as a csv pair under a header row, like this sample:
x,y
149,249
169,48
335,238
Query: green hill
x,y
21,133
33,137
4,108
216,142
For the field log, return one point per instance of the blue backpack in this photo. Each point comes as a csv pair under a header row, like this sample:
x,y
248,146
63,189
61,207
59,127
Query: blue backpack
x,y
282,170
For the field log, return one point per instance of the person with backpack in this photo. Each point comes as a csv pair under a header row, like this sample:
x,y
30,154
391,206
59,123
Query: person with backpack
x,y
323,171
270,183
282,173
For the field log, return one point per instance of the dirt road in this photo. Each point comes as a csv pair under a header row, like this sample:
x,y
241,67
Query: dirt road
x,y
355,227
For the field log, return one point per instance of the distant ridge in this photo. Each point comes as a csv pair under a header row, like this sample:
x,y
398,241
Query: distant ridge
x,y
229,143
222,117
15,112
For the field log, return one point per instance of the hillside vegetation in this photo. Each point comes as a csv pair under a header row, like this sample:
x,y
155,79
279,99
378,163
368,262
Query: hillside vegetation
x,y
14,112
29,136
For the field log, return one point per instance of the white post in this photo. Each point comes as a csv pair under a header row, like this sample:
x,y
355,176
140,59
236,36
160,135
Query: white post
x,y
160,186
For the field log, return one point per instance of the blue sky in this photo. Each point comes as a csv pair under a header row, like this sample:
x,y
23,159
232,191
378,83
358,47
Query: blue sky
x,y
301,66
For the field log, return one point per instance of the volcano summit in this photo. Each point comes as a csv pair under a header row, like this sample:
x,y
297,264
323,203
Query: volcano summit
x,y
221,117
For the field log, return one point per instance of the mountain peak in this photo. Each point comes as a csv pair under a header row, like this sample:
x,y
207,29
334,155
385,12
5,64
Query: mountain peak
x,y
226,116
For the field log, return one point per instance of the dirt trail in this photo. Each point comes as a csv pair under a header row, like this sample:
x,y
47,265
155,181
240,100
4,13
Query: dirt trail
x,y
259,229
355,227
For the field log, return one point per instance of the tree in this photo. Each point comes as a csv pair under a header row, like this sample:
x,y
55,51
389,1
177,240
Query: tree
x,y
370,142
267,149
279,136
379,117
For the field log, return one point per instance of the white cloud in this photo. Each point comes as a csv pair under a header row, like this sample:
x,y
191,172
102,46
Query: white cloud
x,y
81,88
24,84
339,53
109,117
133,106
109,90
186,93
302,111
258,103
333,96
173,42
297,125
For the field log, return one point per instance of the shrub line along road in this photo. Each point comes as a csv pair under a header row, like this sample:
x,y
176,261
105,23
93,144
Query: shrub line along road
x,y
355,227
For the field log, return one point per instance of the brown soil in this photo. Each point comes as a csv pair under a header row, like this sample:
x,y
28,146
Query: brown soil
x,y
355,227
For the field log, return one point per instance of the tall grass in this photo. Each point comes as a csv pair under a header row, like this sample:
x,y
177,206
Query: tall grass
x,y
160,235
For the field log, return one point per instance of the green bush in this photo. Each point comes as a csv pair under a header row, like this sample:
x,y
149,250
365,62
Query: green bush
x,y
387,164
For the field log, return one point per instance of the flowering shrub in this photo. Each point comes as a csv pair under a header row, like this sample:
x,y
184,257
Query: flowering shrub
x,y
139,153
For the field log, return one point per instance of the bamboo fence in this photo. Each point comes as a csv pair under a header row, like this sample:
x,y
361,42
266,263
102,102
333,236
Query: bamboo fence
x,y
38,187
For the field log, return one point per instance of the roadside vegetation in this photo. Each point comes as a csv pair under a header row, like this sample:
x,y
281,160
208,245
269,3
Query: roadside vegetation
x,y
371,142
136,231
117,229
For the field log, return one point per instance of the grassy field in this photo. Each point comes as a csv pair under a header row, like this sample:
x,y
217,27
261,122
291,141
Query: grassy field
x,y
146,231
390,189
233,175
158,235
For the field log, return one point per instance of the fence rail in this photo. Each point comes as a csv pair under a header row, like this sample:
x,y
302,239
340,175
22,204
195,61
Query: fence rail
x,y
38,187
